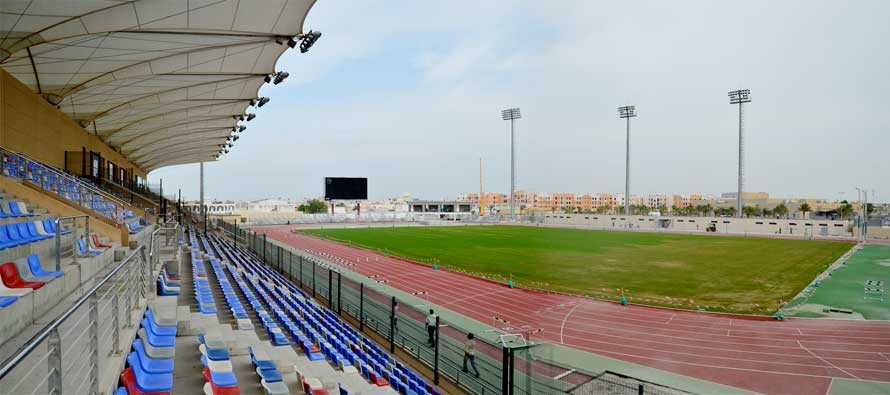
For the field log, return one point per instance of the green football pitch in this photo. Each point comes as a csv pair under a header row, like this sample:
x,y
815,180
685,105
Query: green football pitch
x,y
729,274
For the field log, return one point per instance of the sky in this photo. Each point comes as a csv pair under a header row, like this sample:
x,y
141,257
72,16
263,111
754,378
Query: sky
x,y
409,94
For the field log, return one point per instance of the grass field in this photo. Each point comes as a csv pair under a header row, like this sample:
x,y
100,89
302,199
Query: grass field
x,y
730,274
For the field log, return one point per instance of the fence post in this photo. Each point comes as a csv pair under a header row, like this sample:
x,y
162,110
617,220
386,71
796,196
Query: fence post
x,y
265,247
115,324
330,288
94,343
392,325
313,277
339,299
436,355
280,255
235,233
361,307
505,375
301,272
512,370
54,362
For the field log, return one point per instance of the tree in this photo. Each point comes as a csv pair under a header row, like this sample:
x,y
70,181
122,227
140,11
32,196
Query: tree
x,y
845,209
781,210
749,211
804,209
663,209
602,209
313,206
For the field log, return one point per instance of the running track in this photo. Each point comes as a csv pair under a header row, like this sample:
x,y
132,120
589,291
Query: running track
x,y
795,356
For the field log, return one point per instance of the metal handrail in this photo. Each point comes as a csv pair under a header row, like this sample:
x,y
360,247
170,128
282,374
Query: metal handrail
x,y
128,190
57,222
60,173
151,241
10,363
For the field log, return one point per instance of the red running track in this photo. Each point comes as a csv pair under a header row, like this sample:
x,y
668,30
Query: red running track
x,y
794,356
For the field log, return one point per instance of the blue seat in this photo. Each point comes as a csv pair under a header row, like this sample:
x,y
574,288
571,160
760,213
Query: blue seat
x,y
270,375
216,354
6,241
158,329
25,231
262,364
13,231
152,365
155,339
223,379
7,300
120,391
81,246
14,209
149,382
37,269
33,229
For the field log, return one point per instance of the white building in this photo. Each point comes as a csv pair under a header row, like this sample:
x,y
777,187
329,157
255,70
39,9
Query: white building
x,y
272,205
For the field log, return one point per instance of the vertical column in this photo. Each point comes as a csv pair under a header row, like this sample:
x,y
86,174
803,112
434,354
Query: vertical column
x,y
436,355
392,325
201,203
94,343
361,307
54,363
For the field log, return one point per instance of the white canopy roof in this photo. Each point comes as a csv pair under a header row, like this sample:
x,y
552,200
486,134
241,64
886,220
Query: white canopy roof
x,y
162,81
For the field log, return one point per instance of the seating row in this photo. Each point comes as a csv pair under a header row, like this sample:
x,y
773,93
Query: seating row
x,y
21,277
54,180
150,363
321,334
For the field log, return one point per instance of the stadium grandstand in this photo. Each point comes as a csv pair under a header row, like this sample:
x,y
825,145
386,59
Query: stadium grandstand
x,y
109,285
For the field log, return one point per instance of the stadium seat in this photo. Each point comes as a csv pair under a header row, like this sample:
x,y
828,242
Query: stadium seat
x,y
152,365
128,379
81,247
16,209
120,391
12,280
146,381
24,270
37,268
94,244
7,300
6,241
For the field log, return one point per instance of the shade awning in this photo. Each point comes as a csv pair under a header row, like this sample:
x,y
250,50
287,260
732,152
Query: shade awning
x,y
141,73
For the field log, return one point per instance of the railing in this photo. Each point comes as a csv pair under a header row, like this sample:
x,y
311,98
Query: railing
x,y
154,243
85,188
67,355
57,224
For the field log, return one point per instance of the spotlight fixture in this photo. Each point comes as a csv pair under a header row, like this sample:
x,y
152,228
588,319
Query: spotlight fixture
x,y
309,40
262,101
268,78
241,128
241,117
251,116
279,77
235,138
291,43
234,130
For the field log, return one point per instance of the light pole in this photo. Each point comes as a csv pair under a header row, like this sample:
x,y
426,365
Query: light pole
x,y
627,112
512,114
740,97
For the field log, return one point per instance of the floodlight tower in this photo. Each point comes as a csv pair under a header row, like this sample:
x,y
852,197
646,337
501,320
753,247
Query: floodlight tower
x,y
740,97
512,114
627,112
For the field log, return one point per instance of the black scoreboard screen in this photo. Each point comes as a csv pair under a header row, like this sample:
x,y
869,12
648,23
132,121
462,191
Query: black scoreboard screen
x,y
345,188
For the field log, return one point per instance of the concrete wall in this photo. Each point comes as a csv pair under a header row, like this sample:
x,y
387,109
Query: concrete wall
x,y
29,124
784,227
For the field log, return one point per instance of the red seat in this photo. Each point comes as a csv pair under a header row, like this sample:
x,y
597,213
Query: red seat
x,y
99,244
12,280
217,390
129,382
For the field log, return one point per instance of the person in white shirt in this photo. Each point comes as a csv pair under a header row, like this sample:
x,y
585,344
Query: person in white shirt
x,y
431,328
470,354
